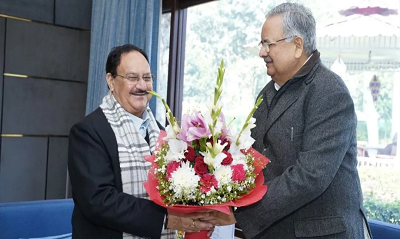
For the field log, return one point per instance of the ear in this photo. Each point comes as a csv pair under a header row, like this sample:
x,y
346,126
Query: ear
x,y
299,44
110,81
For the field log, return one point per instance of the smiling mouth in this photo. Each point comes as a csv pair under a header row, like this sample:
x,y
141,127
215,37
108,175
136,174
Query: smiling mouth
x,y
139,93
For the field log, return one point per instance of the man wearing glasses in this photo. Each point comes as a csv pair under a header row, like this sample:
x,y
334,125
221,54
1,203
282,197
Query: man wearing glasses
x,y
306,126
106,160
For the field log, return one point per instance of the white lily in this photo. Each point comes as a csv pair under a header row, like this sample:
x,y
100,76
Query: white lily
x,y
176,150
246,141
251,124
170,133
216,161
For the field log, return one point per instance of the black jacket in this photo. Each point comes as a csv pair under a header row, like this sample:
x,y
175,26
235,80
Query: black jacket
x,y
101,209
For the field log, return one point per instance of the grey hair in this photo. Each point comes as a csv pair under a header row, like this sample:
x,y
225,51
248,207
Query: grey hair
x,y
297,21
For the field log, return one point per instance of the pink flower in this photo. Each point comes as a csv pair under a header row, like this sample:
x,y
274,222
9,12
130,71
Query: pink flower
x,y
208,181
171,167
193,127
238,173
224,130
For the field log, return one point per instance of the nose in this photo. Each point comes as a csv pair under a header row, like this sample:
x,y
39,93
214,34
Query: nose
x,y
141,84
263,52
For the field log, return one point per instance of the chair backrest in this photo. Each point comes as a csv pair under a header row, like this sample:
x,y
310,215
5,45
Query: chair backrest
x,y
384,230
35,218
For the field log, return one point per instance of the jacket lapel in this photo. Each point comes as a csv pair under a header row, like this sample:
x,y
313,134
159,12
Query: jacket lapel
x,y
289,92
282,102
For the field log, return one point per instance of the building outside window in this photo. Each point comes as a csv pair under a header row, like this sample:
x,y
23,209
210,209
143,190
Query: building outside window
x,y
364,49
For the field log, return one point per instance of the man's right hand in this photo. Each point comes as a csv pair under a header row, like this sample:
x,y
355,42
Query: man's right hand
x,y
189,222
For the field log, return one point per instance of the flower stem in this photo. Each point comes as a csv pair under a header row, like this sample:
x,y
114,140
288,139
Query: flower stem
x,y
215,112
172,120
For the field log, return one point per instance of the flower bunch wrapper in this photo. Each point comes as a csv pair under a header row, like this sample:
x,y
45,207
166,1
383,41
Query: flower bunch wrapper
x,y
253,196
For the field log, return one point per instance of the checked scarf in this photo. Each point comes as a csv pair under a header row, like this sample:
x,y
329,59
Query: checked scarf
x,y
132,148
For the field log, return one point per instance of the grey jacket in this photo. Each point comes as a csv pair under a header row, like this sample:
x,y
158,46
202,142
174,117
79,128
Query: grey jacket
x,y
308,131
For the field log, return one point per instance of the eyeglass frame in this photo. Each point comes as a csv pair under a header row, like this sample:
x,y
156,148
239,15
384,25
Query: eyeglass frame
x,y
132,80
267,45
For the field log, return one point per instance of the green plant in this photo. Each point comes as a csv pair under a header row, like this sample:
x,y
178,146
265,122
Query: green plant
x,y
378,209
381,193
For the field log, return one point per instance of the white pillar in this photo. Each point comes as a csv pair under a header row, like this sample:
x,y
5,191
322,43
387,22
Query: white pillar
x,y
396,108
371,116
396,104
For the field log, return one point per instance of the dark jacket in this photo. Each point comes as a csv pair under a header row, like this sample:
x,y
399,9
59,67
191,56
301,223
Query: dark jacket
x,y
308,130
101,209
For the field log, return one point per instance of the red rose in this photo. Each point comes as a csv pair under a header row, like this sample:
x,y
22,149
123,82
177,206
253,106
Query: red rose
x,y
200,167
171,167
208,181
190,154
228,159
238,173
210,140
225,140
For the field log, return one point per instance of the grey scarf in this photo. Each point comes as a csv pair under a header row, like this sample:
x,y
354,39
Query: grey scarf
x,y
132,148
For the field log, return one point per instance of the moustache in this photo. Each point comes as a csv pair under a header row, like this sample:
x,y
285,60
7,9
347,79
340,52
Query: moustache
x,y
267,59
139,92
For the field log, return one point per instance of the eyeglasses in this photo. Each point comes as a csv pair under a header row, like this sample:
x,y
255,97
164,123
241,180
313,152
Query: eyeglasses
x,y
135,78
267,44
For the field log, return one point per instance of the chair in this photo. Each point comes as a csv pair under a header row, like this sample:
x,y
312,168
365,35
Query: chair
x,y
33,219
383,230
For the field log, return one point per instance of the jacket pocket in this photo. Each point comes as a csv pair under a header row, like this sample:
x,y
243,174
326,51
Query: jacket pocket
x,y
321,226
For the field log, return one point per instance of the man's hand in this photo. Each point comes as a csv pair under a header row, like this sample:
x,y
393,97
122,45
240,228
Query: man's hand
x,y
191,222
218,218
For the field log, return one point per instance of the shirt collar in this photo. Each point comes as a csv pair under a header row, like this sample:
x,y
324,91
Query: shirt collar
x,y
277,87
141,122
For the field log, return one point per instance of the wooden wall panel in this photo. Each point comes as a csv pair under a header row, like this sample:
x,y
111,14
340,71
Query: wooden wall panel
x,y
39,10
2,39
23,168
42,50
73,13
42,107
57,168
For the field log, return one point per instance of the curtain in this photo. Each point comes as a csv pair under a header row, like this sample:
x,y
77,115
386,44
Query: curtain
x,y
115,23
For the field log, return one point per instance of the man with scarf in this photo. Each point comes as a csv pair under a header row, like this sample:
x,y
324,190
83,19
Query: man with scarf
x,y
106,160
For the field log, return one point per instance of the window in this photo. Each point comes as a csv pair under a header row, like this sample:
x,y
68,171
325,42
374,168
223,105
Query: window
x,y
230,30
163,59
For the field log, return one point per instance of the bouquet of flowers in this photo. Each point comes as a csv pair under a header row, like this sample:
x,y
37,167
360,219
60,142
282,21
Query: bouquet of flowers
x,y
202,164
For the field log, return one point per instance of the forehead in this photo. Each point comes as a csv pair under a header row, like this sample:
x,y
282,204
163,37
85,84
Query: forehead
x,y
133,62
272,28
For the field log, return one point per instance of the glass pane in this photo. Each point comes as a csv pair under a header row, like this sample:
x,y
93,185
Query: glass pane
x,y
224,30
163,60
360,48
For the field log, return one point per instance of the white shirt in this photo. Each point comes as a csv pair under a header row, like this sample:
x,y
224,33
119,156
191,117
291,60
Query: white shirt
x,y
141,123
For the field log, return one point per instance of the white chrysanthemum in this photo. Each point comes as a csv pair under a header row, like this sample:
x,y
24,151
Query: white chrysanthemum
x,y
184,180
176,150
223,175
